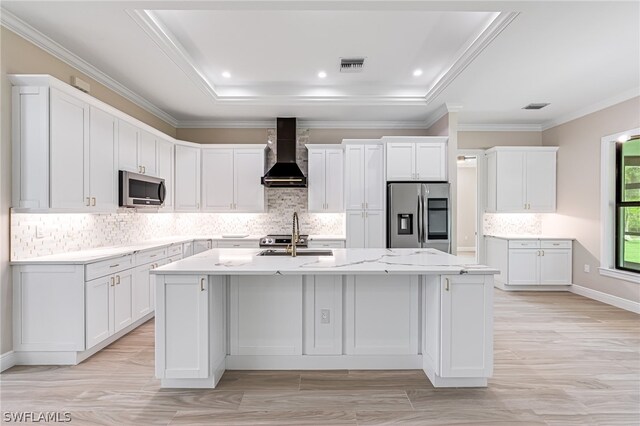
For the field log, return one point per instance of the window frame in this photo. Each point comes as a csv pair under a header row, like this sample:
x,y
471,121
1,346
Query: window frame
x,y
619,205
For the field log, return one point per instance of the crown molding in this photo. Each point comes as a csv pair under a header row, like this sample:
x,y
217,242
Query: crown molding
x,y
452,107
308,124
499,127
485,38
621,97
440,112
26,31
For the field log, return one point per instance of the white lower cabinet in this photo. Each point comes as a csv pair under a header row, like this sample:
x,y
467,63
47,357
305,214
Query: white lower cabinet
x,y
365,228
202,245
122,300
530,262
141,291
326,243
238,243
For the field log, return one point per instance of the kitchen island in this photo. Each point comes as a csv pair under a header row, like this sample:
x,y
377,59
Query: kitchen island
x,y
350,309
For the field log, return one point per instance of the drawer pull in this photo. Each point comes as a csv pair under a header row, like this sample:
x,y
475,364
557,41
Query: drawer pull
x,y
114,266
117,279
556,244
153,255
202,284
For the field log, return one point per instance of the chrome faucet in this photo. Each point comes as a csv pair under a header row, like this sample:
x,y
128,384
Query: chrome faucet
x,y
295,235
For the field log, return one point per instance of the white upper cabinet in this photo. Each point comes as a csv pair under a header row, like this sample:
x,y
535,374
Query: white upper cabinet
x,y
364,176
231,178
354,177
136,150
103,188
187,183
325,177
421,158
521,179
165,163
147,153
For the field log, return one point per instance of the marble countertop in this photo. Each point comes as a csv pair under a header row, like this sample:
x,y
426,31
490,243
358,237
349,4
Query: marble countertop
x,y
344,261
529,237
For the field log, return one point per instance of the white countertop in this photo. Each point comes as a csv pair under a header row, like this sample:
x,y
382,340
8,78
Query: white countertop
x,y
344,261
529,237
327,237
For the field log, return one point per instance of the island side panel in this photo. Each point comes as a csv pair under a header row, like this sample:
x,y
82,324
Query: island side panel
x,y
322,312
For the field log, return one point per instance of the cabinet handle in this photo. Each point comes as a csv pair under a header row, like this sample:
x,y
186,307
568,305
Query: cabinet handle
x,y
446,284
93,201
542,252
113,266
202,284
88,201
139,169
113,280
117,279
366,205
144,169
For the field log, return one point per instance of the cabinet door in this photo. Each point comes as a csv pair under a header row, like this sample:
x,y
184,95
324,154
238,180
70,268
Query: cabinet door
x,y
248,166
374,183
334,180
401,161
217,176
147,153
99,304
467,324
141,291
431,161
317,180
187,192
69,157
374,229
555,267
165,170
540,181
510,181
524,265
128,147
102,168
122,303
354,177
355,229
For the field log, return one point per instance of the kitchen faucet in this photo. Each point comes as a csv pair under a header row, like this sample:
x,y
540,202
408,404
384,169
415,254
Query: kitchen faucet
x,y
295,235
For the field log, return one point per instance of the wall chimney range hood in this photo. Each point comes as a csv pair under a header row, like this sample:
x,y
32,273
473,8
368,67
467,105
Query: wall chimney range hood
x,y
285,173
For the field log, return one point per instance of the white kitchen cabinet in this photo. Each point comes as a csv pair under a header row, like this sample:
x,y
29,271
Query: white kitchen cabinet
x,y
527,264
165,170
136,149
201,245
326,243
365,229
122,300
141,291
325,177
187,179
231,179
322,309
69,152
182,348
99,304
187,249
235,243
103,179
416,158
521,179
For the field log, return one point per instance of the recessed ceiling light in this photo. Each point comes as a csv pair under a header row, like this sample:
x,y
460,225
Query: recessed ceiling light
x,y
417,73
226,74
322,74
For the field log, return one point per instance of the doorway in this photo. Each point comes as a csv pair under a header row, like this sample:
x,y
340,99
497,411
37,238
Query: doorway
x,y
470,207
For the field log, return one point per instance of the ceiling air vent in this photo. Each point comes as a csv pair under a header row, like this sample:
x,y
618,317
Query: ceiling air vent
x,y
351,64
536,106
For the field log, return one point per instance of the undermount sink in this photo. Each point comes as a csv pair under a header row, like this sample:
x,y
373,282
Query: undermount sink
x,y
299,252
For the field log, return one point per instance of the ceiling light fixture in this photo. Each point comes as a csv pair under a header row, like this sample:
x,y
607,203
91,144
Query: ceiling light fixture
x,y
417,73
322,74
226,74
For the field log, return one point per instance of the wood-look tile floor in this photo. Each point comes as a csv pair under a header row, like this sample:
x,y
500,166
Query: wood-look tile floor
x,y
559,359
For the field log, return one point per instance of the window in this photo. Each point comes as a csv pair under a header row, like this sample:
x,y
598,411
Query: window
x,y
627,205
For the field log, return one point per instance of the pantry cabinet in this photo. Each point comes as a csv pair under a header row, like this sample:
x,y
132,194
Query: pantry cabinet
x,y
521,179
231,178
530,262
187,183
326,178
416,158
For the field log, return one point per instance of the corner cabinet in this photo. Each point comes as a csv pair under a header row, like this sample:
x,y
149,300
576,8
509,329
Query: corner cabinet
x,y
231,178
326,178
364,188
187,183
416,158
521,179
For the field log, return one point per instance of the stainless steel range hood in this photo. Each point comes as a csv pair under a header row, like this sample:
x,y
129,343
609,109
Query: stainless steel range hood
x,y
285,173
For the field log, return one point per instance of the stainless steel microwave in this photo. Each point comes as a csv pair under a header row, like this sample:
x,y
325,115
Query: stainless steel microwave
x,y
138,190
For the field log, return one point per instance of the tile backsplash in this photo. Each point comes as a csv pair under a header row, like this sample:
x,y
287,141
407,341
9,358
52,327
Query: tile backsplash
x,y
512,223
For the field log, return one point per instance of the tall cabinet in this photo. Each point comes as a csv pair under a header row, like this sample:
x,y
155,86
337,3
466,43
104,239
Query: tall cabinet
x,y
364,186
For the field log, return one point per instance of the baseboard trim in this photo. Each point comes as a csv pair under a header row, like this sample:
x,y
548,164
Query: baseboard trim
x,y
534,287
7,360
618,302
324,362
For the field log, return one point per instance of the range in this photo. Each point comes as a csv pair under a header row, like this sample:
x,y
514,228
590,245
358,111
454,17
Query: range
x,y
280,240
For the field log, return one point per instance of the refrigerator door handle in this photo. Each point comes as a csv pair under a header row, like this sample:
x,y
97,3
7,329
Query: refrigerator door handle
x,y
423,236
420,218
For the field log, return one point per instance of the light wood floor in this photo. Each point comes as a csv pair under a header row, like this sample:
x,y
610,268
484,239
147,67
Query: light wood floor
x,y
559,359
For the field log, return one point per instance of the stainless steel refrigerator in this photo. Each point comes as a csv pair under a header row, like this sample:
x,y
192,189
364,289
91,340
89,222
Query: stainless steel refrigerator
x,y
419,215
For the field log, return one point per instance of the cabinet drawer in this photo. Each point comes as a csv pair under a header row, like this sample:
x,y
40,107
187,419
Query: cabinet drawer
x,y
551,244
238,244
326,244
108,267
524,244
174,250
150,256
174,259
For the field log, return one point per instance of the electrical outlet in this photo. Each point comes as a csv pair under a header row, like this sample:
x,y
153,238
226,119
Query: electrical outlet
x,y
587,268
40,231
325,316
